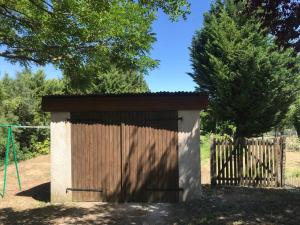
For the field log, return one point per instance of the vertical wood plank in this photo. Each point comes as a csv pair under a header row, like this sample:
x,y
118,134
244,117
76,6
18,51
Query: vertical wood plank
x,y
225,144
223,162
264,163
249,162
271,163
213,174
239,162
217,147
230,163
276,151
268,163
256,163
235,163
245,163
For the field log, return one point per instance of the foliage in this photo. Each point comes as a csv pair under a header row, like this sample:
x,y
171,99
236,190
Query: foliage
x,y
209,124
292,118
296,116
251,83
20,102
77,34
280,17
42,148
292,144
112,81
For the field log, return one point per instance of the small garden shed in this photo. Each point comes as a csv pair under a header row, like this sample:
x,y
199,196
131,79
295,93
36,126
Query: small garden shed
x,y
125,147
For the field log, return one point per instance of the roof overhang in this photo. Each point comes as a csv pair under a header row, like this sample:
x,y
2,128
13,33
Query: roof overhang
x,y
126,102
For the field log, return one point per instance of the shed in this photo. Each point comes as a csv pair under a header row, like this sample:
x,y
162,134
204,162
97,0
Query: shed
x,y
125,147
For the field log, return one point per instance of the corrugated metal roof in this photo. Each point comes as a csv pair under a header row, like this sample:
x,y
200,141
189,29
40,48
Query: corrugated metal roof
x,y
126,102
161,93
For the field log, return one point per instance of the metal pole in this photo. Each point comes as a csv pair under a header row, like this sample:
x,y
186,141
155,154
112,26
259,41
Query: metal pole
x,y
15,158
23,126
6,160
10,141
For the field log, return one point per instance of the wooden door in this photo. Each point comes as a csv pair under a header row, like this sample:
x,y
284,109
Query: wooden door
x,y
129,156
149,156
96,158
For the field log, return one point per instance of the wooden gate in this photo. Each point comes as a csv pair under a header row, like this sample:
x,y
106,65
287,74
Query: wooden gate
x,y
125,156
256,163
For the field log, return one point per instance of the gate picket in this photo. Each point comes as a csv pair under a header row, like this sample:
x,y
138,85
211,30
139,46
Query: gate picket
x,y
231,169
254,163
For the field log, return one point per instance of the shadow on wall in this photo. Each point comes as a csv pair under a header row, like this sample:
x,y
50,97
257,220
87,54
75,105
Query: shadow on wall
x,y
189,155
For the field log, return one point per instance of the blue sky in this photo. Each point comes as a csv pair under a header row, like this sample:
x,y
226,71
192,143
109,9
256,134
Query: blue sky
x,y
171,49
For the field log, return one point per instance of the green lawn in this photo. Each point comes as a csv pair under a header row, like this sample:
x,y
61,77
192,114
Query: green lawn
x,y
205,148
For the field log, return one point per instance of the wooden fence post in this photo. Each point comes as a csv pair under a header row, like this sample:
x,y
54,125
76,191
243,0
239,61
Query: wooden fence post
x,y
213,172
239,145
277,150
282,161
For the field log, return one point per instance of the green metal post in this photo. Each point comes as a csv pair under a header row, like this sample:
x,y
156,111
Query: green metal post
x,y
6,159
15,157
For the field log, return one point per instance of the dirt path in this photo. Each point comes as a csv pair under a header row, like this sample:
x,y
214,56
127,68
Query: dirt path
x,y
205,173
35,178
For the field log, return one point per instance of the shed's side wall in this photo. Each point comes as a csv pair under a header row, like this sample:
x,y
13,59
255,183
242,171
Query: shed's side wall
x,y
189,155
60,157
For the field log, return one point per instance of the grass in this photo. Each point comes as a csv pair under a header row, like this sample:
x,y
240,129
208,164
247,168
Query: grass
x,y
205,148
293,172
292,176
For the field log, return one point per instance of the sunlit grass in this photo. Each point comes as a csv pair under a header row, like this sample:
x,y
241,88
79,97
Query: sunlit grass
x,y
205,148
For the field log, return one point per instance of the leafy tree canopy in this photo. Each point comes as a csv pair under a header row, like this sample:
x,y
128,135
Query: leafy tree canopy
x,y
20,100
292,118
251,83
296,116
113,81
73,33
280,17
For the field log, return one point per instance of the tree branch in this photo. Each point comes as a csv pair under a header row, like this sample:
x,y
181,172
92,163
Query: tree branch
x,y
10,55
23,20
42,8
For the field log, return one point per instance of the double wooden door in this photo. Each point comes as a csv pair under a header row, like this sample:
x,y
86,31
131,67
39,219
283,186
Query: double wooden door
x,y
125,156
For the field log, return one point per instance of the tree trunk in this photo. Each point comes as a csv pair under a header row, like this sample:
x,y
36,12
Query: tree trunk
x,y
239,147
297,127
298,130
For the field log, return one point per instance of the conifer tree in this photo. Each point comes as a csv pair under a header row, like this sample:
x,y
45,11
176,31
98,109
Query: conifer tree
x,y
251,83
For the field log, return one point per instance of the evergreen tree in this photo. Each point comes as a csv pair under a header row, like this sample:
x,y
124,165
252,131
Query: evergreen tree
x,y
113,81
292,118
251,83
296,117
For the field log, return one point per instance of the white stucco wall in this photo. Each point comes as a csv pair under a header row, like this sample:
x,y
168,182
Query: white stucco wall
x,y
189,155
60,157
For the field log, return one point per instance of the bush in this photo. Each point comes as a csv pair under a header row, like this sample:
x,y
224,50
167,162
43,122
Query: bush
x,y
292,144
42,148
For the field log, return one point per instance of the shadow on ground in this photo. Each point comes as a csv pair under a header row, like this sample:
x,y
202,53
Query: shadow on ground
x,y
39,193
218,206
